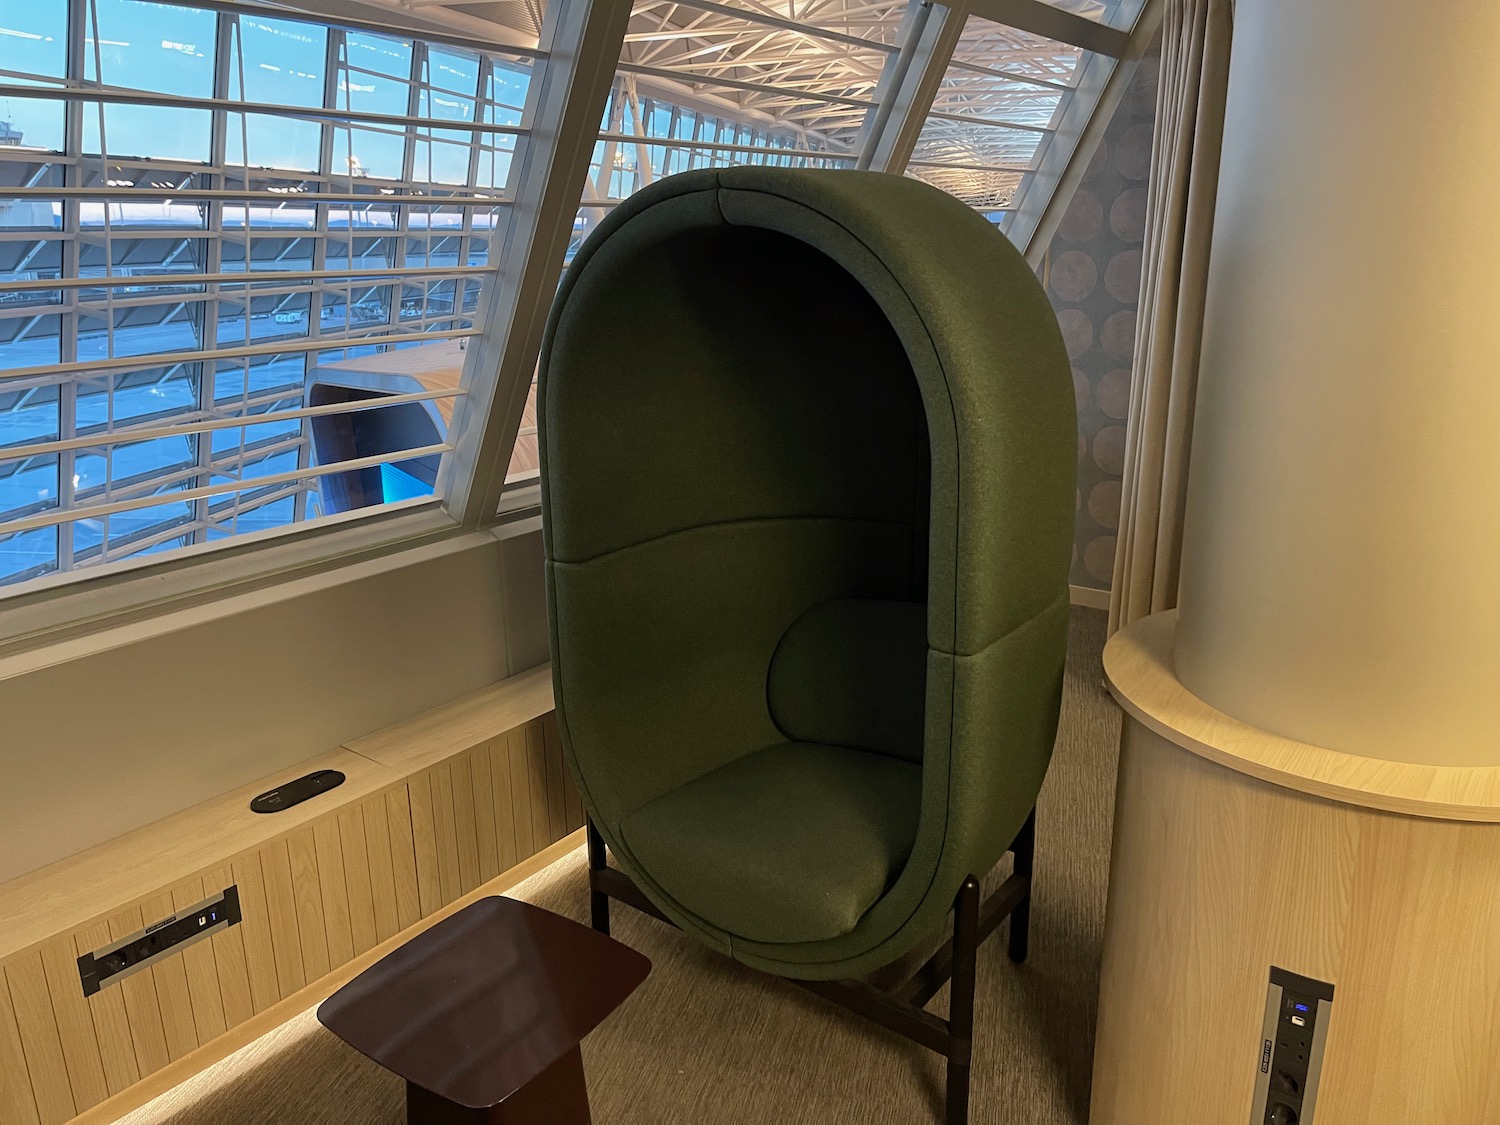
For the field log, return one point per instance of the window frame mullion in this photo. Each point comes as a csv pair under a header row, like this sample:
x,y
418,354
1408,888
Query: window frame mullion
x,y
582,42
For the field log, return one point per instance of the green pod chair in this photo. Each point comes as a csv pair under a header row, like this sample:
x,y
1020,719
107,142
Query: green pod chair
x,y
808,472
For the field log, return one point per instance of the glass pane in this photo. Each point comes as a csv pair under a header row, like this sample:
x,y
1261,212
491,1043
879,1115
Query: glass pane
x,y
374,77
996,49
28,555
238,382
290,207
171,325
126,533
27,485
997,111
509,83
265,516
33,46
29,340
163,48
450,84
112,400
525,459
1116,13
792,97
279,62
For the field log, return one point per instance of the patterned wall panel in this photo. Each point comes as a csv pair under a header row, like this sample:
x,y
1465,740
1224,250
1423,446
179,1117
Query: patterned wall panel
x,y
1093,276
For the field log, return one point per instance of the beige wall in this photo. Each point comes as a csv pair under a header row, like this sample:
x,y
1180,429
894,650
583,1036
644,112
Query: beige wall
x,y
1339,580
100,736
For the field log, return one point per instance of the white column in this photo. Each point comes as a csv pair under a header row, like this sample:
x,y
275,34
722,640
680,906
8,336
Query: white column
x,y
1341,564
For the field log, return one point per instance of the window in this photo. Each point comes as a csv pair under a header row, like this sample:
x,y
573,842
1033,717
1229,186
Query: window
x,y
280,62
1114,13
33,52
244,248
138,45
996,113
202,305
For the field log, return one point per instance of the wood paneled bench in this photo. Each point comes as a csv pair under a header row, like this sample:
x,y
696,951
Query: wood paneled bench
x,y
432,808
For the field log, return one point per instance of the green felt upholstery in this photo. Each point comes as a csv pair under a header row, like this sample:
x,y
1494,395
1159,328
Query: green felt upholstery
x,y
807,444
792,843
854,673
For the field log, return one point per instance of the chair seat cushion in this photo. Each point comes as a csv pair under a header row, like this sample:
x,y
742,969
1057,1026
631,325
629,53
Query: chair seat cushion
x,y
791,843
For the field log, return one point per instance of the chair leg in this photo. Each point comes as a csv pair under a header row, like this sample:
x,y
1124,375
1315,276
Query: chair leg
x,y
1024,850
961,1000
598,861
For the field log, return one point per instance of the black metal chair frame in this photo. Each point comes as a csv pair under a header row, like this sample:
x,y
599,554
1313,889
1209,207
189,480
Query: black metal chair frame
x,y
902,1008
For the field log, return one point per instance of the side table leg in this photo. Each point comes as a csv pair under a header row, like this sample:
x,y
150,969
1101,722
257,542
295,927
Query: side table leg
x,y
557,1096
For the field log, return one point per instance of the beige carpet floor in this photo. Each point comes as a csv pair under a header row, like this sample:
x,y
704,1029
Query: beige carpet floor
x,y
708,1042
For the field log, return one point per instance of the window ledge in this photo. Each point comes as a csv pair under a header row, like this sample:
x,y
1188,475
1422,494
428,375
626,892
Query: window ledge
x,y
67,606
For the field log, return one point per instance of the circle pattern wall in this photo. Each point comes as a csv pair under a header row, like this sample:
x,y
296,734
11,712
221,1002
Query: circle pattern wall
x,y
1093,278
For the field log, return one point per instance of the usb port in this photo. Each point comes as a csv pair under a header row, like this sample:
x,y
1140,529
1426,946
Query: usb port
x,y
1299,1021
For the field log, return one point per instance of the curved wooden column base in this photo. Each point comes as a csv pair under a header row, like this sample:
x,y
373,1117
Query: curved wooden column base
x,y
1219,875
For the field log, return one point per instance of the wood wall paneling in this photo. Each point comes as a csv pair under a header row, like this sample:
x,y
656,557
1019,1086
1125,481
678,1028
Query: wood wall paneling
x,y
403,835
354,845
484,813
142,1008
255,932
320,894
536,780
441,780
40,1041
382,871
557,802
75,1023
201,968
16,1100
111,1020
505,817
173,996
333,890
307,896
465,822
425,843
229,954
572,801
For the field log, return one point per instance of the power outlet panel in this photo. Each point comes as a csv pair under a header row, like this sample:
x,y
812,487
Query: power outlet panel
x,y
116,961
1291,1049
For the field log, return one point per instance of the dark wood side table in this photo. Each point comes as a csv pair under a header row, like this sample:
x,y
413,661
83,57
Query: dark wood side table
x,y
483,1013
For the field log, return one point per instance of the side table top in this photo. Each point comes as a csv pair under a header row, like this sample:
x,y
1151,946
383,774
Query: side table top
x,y
480,1004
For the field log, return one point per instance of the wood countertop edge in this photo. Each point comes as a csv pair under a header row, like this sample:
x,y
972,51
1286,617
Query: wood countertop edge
x,y
1138,669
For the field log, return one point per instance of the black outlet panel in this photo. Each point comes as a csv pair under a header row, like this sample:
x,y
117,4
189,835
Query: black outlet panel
x,y
114,962
1291,1052
295,792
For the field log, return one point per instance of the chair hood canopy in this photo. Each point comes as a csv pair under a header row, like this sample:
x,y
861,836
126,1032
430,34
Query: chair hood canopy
x,y
808,478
